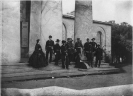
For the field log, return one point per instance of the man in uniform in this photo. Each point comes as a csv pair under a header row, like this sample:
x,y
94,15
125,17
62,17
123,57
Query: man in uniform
x,y
57,51
98,54
70,49
78,46
49,48
94,46
64,55
88,52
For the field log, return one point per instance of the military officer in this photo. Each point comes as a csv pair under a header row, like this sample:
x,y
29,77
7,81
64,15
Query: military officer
x,y
98,54
49,48
57,51
88,52
78,46
70,49
94,46
64,55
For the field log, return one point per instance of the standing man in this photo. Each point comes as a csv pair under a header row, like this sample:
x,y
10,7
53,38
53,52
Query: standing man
x,y
98,53
88,52
49,48
94,46
78,46
63,55
70,49
57,51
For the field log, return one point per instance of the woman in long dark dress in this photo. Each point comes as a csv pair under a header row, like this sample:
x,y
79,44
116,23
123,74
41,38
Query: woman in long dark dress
x,y
37,59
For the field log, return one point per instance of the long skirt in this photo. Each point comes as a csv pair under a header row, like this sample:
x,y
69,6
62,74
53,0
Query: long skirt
x,y
37,60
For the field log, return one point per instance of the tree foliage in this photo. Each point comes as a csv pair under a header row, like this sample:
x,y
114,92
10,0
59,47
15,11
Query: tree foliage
x,y
121,42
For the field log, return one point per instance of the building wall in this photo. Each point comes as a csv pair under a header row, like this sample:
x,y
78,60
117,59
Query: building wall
x,y
10,32
69,23
103,28
106,29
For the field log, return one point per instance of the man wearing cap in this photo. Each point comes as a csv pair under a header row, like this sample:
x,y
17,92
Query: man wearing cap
x,y
49,48
63,55
78,46
98,54
70,49
94,46
57,51
88,52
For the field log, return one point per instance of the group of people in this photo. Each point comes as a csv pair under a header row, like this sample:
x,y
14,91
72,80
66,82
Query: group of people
x,y
67,52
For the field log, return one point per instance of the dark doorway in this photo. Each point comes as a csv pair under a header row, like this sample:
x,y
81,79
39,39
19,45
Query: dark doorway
x,y
99,38
25,8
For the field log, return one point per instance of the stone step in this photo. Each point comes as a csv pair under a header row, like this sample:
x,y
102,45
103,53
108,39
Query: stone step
x,y
43,74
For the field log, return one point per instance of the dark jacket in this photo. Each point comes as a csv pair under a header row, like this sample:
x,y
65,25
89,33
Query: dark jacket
x,y
99,53
49,44
88,47
94,46
78,44
57,48
63,49
70,47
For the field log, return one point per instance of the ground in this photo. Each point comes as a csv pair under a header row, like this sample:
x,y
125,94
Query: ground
x,y
80,82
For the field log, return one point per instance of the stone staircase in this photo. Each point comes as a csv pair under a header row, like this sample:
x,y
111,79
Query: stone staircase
x,y
21,71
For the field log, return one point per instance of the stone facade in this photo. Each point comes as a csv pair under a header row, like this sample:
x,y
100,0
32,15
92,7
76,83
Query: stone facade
x,y
35,24
83,19
68,24
51,21
10,31
46,19
0,31
97,26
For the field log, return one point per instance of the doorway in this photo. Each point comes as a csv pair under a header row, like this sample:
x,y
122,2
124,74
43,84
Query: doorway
x,y
24,27
99,38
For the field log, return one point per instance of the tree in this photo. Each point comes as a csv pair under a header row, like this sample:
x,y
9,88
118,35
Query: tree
x,y
121,42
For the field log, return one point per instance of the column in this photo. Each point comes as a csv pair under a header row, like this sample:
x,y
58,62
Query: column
x,y
35,24
10,31
51,21
0,36
83,19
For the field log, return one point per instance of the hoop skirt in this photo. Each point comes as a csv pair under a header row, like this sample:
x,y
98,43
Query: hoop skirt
x,y
37,59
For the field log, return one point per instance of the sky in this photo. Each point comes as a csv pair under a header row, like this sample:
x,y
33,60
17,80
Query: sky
x,y
106,10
